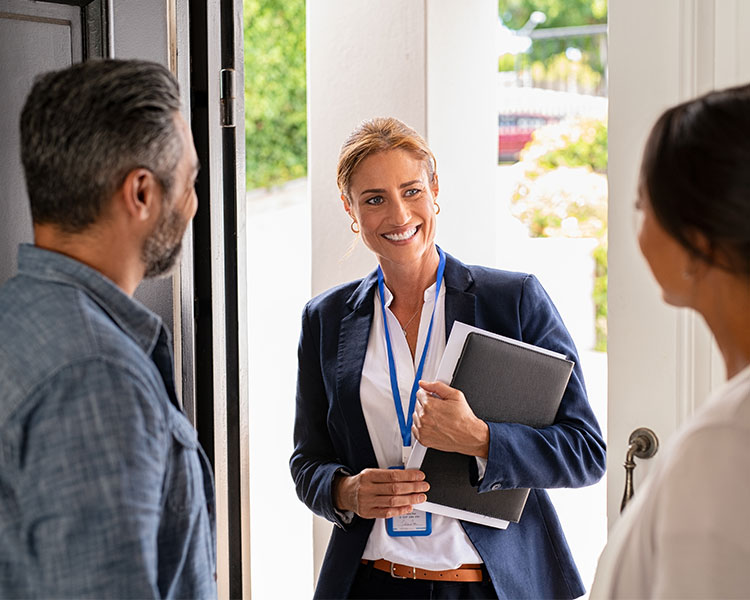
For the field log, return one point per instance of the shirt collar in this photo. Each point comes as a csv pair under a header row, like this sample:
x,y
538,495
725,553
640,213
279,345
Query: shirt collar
x,y
131,316
429,293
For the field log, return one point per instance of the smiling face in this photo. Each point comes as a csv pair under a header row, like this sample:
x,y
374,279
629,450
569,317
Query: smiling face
x,y
393,201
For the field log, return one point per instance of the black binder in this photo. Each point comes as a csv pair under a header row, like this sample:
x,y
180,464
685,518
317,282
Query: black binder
x,y
503,381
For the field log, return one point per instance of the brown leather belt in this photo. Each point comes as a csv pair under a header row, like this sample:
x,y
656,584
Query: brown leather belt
x,y
472,572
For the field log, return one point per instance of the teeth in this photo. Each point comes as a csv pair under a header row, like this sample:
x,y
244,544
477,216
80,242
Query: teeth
x,y
399,237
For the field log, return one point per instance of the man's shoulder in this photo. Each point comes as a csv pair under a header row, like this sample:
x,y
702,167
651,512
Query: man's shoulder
x,y
46,319
46,326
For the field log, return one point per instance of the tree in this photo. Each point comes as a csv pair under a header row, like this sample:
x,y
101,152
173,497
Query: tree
x,y
275,91
560,13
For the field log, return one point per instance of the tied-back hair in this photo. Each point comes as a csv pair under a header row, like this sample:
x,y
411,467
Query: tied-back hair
x,y
696,172
380,135
84,128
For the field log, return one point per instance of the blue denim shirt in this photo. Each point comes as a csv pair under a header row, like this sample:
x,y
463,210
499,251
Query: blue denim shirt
x,y
104,489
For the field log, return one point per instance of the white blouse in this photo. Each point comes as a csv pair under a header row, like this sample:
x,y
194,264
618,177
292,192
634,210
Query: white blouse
x,y
686,533
448,546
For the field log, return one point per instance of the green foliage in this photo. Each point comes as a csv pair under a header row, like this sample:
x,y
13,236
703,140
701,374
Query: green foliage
x,y
275,91
560,13
588,150
558,72
600,294
563,192
506,62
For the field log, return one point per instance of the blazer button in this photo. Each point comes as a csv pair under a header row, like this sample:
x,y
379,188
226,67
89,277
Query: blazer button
x,y
495,487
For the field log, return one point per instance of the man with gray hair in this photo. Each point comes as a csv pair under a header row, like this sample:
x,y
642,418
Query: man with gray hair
x,y
104,489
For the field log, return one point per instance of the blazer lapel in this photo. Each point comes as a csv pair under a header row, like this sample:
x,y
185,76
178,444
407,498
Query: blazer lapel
x,y
352,347
460,302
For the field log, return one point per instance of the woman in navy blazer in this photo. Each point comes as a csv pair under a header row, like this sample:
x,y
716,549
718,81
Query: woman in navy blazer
x,y
389,185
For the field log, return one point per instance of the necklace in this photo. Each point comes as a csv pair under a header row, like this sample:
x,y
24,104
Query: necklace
x,y
411,319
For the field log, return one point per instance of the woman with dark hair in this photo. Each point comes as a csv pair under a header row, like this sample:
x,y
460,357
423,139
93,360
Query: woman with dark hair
x,y
686,534
368,356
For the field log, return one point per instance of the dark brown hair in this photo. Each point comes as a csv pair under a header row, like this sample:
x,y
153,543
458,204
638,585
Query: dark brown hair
x,y
696,172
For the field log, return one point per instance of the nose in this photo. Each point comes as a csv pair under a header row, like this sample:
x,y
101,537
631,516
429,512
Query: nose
x,y
400,213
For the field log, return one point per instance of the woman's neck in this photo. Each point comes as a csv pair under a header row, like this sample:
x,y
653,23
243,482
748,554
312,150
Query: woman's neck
x,y
726,309
408,283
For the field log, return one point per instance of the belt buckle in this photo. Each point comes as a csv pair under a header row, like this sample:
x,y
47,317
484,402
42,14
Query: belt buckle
x,y
393,573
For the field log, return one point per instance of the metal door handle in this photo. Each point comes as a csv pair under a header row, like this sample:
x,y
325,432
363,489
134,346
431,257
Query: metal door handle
x,y
642,443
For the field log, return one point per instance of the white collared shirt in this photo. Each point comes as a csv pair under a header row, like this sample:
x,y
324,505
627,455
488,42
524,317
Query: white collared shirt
x,y
448,546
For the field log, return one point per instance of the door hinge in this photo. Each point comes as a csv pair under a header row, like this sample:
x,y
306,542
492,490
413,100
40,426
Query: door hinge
x,y
228,97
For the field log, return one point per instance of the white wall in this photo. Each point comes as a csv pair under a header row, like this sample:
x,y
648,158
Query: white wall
x,y
429,63
364,59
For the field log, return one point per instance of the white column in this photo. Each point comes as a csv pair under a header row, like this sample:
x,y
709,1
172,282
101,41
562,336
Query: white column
x,y
364,59
462,124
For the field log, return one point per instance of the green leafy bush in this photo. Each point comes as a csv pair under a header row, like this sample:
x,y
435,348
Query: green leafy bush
x,y
275,91
600,294
562,192
589,150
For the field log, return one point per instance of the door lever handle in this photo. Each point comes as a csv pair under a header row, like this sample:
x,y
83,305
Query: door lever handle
x,y
642,443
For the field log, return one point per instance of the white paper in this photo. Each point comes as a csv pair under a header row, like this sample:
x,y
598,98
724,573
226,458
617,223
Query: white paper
x,y
464,515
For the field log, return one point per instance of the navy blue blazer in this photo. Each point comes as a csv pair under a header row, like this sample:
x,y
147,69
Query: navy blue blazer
x,y
530,559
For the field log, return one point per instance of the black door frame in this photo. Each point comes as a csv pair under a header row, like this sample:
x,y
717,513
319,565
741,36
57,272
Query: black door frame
x,y
218,126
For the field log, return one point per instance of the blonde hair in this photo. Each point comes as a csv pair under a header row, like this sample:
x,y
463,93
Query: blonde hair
x,y
380,135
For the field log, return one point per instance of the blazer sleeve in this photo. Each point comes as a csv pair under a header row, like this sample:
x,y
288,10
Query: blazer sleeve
x,y
314,461
569,453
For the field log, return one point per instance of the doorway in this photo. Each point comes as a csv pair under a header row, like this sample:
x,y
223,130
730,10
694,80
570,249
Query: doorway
x,y
552,199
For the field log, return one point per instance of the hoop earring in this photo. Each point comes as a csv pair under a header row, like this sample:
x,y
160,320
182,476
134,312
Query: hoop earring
x,y
437,208
354,227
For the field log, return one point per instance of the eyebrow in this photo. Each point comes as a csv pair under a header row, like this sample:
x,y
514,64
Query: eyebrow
x,y
382,190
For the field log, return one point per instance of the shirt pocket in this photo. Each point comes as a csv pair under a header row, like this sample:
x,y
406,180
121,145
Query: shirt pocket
x,y
184,485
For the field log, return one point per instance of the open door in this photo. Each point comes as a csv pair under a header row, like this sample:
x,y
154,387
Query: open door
x,y
662,361
219,249
201,43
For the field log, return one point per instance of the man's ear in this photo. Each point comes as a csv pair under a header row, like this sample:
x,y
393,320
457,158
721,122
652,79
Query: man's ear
x,y
141,194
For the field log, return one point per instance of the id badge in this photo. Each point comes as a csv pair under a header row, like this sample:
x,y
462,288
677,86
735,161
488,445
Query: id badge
x,y
416,523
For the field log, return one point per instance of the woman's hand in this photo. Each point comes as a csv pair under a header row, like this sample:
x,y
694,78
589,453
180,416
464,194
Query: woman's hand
x,y
444,420
380,493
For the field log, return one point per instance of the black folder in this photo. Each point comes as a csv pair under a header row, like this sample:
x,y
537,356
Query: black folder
x,y
503,381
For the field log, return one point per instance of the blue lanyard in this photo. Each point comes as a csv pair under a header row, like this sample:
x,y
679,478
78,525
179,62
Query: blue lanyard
x,y
405,423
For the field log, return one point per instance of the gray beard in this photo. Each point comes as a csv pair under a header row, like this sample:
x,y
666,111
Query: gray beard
x,y
162,248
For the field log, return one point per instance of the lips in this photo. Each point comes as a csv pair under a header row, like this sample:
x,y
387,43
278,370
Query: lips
x,y
402,236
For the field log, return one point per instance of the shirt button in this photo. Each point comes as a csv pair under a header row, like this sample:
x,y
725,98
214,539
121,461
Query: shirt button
x,y
495,487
